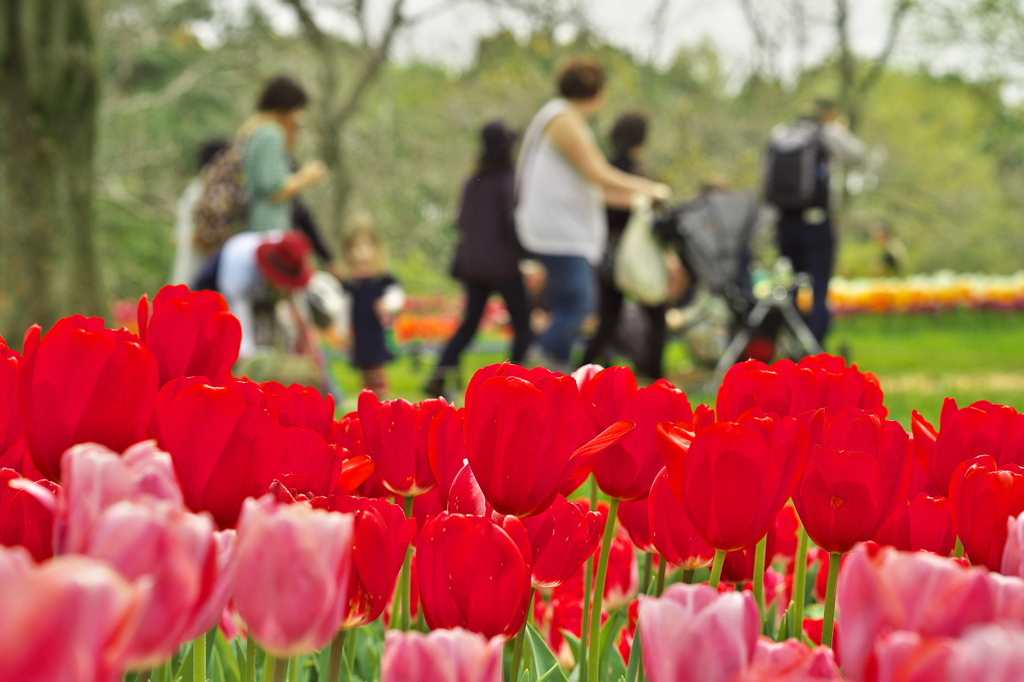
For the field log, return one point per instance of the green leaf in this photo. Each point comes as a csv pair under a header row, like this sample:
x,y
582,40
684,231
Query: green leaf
x,y
612,665
223,659
545,663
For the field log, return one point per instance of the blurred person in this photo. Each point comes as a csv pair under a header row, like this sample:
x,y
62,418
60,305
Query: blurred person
x,y
187,258
256,267
563,184
628,136
268,140
487,256
799,186
375,299
892,252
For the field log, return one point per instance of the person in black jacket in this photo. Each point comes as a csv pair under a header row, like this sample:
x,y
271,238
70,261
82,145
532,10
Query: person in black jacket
x,y
629,133
487,257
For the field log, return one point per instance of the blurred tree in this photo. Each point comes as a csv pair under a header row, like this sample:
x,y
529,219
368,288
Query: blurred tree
x,y
50,87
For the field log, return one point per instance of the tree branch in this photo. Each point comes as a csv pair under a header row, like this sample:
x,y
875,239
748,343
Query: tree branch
x,y
899,14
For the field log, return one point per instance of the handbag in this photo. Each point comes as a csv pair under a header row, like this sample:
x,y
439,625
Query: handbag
x,y
640,267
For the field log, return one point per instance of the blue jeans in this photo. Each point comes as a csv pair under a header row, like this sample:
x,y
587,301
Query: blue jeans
x,y
571,297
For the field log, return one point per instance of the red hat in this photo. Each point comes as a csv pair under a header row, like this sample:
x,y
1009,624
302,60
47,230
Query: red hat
x,y
285,262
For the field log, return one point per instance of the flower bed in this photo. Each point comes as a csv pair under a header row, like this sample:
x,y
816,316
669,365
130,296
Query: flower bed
x,y
927,293
163,517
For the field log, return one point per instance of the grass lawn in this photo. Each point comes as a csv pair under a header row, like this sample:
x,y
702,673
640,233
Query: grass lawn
x,y
920,359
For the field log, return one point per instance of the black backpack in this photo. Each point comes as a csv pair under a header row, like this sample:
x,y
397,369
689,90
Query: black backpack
x,y
796,169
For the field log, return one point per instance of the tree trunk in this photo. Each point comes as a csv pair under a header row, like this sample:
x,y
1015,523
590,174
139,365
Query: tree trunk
x,y
48,116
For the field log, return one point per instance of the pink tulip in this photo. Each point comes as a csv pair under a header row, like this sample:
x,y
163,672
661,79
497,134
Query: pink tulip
x,y
96,478
694,633
1013,552
988,654
904,656
176,552
66,620
441,656
293,566
882,590
790,661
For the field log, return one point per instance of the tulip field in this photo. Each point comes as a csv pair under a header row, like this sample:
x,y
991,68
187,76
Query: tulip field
x,y
162,519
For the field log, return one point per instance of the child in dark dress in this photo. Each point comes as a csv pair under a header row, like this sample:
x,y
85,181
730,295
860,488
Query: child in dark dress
x,y
376,298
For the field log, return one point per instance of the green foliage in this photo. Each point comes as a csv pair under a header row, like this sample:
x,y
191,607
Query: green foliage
x,y
952,184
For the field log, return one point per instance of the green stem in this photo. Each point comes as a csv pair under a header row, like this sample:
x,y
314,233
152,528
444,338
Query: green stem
x,y
517,652
404,597
759,560
835,559
250,659
594,664
796,609
646,573
688,576
958,551
293,669
659,587
337,656
716,568
588,577
270,668
199,658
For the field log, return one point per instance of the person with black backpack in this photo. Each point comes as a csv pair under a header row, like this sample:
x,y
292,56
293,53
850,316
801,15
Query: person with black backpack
x,y
798,176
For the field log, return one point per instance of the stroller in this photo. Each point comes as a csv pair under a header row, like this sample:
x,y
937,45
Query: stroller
x,y
728,323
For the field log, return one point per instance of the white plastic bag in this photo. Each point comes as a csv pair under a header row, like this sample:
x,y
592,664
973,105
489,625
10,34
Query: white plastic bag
x,y
640,267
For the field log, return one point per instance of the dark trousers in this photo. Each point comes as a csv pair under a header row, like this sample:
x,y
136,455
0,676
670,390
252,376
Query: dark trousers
x,y
610,310
477,293
811,248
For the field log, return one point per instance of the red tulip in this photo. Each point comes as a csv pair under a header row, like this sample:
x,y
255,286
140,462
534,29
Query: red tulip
x,y
923,437
754,384
396,439
825,381
177,553
223,449
191,333
382,536
923,523
347,433
474,573
732,478
96,478
24,519
524,429
982,498
11,426
66,620
739,564
293,574
301,406
673,534
446,447
979,429
83,383
562,539
440,656
694,633
465,495
633,517
787,524
857,473
606,393
626,470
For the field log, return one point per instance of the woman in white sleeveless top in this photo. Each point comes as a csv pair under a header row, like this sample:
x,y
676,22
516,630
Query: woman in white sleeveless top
x,y
564,184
